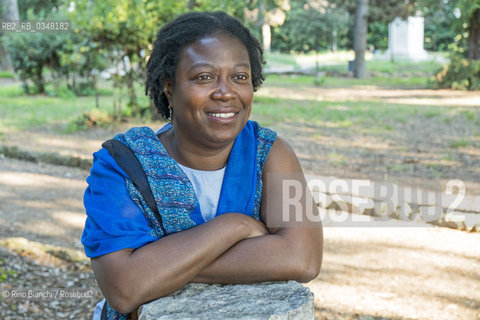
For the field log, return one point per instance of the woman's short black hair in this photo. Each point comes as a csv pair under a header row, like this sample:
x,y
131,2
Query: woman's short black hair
x,y
181,32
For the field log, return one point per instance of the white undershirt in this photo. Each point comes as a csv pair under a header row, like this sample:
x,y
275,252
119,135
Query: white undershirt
x,y
207,186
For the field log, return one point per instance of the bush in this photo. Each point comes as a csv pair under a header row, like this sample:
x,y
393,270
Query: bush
x,y
6,75
61,92
96,117
31,53
92,118
461,74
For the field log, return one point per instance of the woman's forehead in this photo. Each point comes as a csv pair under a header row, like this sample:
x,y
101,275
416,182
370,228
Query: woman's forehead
x,y
215,49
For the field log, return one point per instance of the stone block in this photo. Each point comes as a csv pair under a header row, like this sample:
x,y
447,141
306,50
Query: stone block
x,y
322,200
403,212
430,214
380,209
462,220
271,300
350,204
454,220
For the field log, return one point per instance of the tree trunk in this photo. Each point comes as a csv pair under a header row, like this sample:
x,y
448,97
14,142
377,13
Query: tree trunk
x,y
474,38
95,86
131,93
266,36
153,112
360,39
39,81
130,77
264,26
191,4
10,12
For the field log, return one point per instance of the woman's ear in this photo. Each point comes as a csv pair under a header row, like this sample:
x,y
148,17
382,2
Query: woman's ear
x,y
167,89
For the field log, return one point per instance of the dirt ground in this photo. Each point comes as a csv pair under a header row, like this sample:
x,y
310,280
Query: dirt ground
x,y
401,271
405,270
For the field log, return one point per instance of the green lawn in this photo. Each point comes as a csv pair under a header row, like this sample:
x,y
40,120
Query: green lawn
x,y
58,110
337,62
19,111
412,82
371,115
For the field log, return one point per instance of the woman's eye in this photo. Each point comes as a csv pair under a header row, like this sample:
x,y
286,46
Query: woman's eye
x,y
204,77
242,77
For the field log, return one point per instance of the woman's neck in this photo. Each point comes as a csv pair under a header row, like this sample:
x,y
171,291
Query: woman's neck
x,y
195,156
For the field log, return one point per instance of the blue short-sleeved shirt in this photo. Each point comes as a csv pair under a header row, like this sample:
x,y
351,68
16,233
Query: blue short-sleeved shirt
x,y
119,225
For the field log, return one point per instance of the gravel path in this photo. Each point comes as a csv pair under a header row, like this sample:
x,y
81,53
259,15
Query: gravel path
x,y
405,271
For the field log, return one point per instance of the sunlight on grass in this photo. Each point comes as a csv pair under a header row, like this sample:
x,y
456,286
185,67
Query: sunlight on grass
x,y
302,103
55,111
11,91
345,82
20,112
372,115
6,74
460,143
336,159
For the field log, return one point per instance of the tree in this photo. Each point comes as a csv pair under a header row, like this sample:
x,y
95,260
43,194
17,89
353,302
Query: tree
x,y
325,25
463,71
469,18
368,11
124,32
262,15
31,53
8,11
439,22
360,39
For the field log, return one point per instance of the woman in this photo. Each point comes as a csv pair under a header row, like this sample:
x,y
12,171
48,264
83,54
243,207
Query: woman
x,y
208,171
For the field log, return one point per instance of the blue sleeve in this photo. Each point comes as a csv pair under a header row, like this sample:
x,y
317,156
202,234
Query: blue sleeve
x,y
114,222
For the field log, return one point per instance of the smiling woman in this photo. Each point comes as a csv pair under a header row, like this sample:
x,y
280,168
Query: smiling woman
x,y
208,171
211,100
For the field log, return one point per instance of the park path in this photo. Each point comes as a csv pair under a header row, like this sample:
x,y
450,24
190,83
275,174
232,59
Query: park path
x,y
404,271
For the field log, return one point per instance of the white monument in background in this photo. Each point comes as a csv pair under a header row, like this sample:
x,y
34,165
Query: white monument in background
x,y
405,39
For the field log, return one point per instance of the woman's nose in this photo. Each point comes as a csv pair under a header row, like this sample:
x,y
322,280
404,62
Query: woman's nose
x,y
223,91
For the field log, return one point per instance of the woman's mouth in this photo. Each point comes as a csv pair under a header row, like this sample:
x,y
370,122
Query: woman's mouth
x,y
226,115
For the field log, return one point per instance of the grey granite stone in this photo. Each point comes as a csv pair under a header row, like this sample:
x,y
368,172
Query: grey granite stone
x,y
271,300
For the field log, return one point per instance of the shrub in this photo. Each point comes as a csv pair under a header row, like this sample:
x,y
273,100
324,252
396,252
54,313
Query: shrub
x,y
92,118
461,73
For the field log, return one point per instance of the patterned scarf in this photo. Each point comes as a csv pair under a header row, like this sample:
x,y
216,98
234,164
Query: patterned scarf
x,y
174,194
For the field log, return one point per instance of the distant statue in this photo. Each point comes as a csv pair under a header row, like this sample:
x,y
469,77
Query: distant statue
x,y
405,39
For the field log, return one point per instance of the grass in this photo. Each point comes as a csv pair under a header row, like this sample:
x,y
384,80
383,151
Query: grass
x,y
342,82
337,62
460,143
374,116
399,167
11,91
6,75
20,112
23,112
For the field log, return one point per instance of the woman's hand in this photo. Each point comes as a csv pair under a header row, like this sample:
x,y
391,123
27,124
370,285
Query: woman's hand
x,y
129,277
289,251
252,227
258,228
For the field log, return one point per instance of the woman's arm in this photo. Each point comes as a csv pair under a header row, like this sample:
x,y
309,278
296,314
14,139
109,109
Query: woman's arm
x,y
130,277
293,250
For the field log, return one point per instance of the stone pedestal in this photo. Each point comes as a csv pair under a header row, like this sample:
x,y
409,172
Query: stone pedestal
x,y
273,300
405,39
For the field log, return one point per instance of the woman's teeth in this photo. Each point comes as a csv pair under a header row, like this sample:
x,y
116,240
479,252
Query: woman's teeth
x,y
222,115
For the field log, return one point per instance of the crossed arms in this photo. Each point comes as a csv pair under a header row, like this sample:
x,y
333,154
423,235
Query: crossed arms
x,y
231,248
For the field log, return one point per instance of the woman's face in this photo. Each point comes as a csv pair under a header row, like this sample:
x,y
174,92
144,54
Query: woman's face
x,y
213,93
